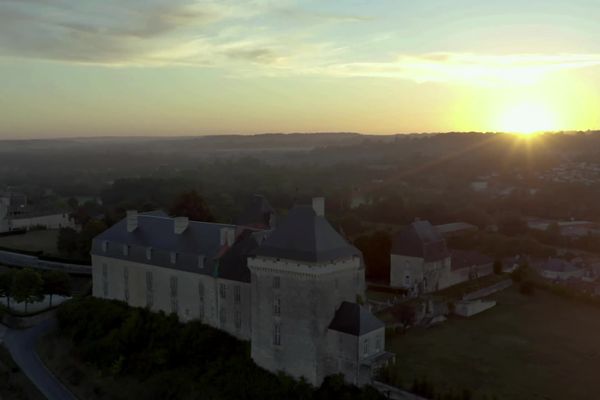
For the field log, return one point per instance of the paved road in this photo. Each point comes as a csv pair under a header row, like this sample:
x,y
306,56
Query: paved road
x,y
22,344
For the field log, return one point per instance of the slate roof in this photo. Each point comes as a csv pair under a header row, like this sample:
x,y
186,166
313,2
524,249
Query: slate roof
x,y
455,228
466,259
256,213
233,265
305,236
157,232
420,239
558,265
354,319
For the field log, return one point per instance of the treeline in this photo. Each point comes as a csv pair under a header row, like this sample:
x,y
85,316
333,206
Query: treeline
x,y
175,360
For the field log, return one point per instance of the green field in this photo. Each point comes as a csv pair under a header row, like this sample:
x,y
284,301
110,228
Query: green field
x,y
539,347
32,241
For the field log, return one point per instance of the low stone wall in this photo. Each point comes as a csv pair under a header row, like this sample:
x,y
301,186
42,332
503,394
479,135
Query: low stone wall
x,y
470,308
27,261
488,290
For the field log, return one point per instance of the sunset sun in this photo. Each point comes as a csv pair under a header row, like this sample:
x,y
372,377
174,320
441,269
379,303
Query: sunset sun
x,y
527,118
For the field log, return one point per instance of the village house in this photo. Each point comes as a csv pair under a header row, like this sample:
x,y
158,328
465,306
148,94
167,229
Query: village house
x,y
421,262
559,269
17,215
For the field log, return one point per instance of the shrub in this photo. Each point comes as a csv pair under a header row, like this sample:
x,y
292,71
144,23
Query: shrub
x,y
527,287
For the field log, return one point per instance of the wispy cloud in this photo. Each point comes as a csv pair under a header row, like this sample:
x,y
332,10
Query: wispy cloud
x,y
153,32
469,68
265,37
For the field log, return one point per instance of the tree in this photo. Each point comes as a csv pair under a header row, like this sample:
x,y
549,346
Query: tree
x,y
56,282
6,282
406,314
376,252
27,286
497,267
193,206
527,287
68,241
92,229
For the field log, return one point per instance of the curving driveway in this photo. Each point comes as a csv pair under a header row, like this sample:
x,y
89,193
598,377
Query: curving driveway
x,y
22,346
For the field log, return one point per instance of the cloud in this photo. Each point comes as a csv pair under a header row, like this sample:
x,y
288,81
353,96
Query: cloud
x,y
465,68
102,32
154,32
245,37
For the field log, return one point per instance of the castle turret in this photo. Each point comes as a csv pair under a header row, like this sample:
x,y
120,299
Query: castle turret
x,y
301,275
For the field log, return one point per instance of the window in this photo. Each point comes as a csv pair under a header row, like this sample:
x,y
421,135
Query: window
x,y
276,282
201,291
104,246
149,253
174,302
173,257
277,306
126,283
277,334
223,291
222,316
238,320
105,280
378,344
201,262
237,296
366,347
149,289
125,250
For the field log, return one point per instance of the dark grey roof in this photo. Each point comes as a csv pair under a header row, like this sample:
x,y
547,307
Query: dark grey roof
x,y
304,236
420,239
354,319
256,213
455,228
558,265
199,239
233,265
466,259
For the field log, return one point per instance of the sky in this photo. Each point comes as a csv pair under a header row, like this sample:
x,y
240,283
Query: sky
x,y
74,68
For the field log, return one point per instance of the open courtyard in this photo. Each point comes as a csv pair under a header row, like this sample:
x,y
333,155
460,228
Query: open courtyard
x,y
40,240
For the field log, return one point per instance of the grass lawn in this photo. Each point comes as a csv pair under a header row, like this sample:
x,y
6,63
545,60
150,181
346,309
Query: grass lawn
x,y
538,347
32,241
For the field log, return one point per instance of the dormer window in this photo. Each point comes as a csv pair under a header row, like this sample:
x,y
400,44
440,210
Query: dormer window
x,y
173,257
105,246
125,250
201,262
148,253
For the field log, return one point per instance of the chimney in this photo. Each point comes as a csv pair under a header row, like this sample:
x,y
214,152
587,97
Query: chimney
x,y
180,224
318,204
227,236
132,220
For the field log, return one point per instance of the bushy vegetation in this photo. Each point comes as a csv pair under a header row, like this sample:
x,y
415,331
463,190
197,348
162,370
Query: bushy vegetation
x,y
29,286
178,360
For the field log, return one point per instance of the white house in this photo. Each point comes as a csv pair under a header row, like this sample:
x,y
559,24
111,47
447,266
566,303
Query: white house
x,y
421,262
15,215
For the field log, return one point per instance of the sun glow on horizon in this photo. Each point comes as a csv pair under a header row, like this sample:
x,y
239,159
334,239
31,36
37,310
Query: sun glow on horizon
x,y
528,118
